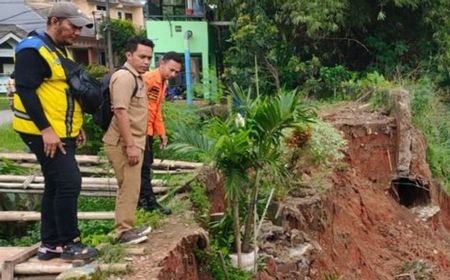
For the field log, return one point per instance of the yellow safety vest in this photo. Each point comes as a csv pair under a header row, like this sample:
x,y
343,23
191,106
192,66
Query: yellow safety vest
x,y
61,110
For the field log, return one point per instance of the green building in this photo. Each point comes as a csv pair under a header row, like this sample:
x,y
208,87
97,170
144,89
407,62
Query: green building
x,y
180,26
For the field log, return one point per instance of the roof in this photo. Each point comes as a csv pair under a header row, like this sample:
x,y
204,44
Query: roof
x,y
28,15
16,12
11,28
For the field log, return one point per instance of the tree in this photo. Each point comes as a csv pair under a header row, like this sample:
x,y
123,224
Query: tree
x,y
388,36
121,30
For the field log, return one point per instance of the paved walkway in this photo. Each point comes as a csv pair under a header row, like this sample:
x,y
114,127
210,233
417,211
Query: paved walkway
x,y
5,116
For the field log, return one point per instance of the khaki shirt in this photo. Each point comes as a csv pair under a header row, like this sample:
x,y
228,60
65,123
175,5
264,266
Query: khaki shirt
x,y
121,87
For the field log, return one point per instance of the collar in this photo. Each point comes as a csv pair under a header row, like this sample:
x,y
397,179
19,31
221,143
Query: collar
x,y
132,69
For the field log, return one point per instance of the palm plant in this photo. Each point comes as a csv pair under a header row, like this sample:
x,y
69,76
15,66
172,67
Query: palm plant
x,y
244,148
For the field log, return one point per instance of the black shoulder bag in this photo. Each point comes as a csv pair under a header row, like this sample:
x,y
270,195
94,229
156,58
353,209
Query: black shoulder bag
x,y
82,86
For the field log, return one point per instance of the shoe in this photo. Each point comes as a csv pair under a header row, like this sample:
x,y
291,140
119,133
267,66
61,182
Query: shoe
x,y
143,231
130,237
150,204
76,250
47,252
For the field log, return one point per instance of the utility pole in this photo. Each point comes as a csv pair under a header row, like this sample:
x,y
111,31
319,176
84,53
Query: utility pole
x,y
97,37
109,39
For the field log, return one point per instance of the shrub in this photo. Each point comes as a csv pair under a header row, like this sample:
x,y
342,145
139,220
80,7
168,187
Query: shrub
x,y
430,115
201,204
319,143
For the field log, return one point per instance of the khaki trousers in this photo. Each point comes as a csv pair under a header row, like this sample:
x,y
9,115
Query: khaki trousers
x,y
129,183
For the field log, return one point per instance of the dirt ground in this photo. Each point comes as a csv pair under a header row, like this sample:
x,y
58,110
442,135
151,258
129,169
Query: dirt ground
x,y
359,228
169,251
369,235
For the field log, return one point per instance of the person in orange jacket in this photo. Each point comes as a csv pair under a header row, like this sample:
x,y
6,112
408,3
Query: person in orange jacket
x,y
156,83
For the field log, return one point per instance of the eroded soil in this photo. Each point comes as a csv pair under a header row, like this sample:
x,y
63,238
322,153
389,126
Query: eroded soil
x,y
357,229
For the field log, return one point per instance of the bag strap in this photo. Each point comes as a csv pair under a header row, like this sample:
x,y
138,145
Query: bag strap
x,y
135,80
67,64
53,48
50,44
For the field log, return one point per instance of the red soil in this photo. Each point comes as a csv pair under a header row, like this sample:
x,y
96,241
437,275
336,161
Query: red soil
x,y
368,234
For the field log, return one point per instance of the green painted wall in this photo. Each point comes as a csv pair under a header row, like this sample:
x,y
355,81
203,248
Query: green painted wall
x,y
169,36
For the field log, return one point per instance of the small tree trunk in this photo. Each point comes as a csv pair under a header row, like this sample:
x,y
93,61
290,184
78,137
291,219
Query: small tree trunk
x,y
273,70
237,229
249,220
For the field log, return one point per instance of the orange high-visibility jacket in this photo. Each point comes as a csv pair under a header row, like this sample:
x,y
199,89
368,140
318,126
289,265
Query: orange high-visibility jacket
x,y
156,90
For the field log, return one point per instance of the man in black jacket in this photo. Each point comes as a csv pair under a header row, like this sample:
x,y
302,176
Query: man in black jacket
x,y
49,121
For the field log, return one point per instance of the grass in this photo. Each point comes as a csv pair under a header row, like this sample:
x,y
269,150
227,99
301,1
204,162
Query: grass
x,y
4,104
10,140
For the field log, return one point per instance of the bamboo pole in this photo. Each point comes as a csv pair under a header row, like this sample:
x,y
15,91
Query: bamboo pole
x,y
30,268
85,180
93,160
110,193
36,216
134,251
39,188
41,268
175,164
88,186
138,251
89,170
176,190
114,267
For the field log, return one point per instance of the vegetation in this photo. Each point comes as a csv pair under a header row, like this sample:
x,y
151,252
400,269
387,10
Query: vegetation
x,y
200,204
431,116
298,42
325,146
245,150
121,30
304,52
175,114
178,114
97,71
10,141
219,266
332,277
4,104
112,253
417,269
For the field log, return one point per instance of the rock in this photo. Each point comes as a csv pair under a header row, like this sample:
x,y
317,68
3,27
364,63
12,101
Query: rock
x,y
82,273
426,212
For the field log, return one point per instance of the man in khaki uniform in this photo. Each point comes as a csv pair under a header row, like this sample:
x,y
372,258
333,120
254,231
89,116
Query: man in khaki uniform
x,y
125,138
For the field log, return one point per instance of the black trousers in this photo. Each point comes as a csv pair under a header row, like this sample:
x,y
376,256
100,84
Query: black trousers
x,y
59,223
146,170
